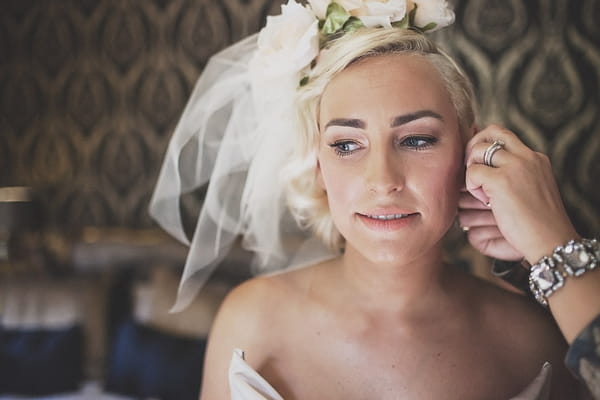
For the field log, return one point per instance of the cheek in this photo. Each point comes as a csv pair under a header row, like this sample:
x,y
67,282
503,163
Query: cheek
x,y
444,182
339,185
334,182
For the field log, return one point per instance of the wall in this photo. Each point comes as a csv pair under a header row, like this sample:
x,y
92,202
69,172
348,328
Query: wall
x,y
90,91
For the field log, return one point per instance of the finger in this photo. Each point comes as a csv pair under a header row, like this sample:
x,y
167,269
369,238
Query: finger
x,y
511,142
490,241
476,177
467,201
476,218
487,135
481,234
491,133
500,157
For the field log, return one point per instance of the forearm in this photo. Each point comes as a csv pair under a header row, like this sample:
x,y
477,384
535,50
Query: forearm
x,y
576,309
576,304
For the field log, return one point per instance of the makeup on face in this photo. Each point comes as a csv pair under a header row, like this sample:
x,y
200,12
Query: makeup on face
x,y
390,155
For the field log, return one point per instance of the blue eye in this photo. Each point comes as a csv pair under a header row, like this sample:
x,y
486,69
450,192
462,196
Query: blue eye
x,y
418,142
344,148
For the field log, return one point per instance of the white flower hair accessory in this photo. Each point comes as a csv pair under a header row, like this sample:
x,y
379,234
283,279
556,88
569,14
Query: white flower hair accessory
x,y
286,46
291,41
425,15
232,135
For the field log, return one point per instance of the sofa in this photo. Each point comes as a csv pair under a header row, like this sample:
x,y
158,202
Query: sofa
x,y
103,330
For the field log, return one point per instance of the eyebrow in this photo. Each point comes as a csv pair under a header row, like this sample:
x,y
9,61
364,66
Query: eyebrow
x,y
397,121
406,118
349,122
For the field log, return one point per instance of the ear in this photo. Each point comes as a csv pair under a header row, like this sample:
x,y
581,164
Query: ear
x,y
469,134
320,180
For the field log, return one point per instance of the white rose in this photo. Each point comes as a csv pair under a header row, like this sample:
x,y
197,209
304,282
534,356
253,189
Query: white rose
x,y
375,13
436,11
319,7
286,46
350,5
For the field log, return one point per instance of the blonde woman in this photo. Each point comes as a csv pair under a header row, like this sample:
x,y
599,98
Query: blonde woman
x,y
376,159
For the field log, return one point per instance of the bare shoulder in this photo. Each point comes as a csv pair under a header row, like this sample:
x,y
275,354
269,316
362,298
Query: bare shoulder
x,y
247,310
528,321
525,334
263,300
251,318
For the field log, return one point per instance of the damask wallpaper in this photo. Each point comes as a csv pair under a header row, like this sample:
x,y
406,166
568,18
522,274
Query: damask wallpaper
x,y
90,91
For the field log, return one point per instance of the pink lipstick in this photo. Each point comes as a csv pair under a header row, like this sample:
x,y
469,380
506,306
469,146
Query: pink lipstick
x,y
388,220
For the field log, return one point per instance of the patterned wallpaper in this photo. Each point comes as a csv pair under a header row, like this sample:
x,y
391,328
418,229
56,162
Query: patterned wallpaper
x,y
90,91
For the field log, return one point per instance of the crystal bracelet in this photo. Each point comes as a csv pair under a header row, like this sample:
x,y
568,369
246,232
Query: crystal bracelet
x,y
571,260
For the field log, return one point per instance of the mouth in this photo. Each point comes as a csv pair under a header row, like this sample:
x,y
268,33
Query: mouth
x,y
387,221
386,217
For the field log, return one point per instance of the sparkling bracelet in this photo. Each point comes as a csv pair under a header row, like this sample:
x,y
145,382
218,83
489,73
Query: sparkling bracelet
x,y
571,260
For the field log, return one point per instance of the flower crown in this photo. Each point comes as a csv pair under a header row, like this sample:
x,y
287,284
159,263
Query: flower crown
x,y
291,41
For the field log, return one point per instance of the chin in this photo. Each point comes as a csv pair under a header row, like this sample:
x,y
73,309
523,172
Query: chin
x,y
398,250
386,254
388,258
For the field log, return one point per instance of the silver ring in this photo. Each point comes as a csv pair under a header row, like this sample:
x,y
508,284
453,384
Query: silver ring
x,y
490,151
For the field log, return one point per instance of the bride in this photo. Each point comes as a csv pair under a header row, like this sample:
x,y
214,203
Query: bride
x,y
380,156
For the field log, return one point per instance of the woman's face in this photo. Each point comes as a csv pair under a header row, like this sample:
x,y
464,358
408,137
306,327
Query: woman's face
x,y
390,157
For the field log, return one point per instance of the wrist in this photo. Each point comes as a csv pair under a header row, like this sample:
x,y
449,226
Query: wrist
x,y
535,253
578,303
570,260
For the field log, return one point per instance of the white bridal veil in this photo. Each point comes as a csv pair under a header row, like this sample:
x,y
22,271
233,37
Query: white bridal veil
x,y
220,140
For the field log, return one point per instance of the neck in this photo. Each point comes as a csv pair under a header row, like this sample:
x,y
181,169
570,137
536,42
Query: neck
x,y
405,285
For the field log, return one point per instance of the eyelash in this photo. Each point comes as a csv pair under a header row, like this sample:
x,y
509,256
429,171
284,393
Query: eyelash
x,y
408,142
429,141
337,147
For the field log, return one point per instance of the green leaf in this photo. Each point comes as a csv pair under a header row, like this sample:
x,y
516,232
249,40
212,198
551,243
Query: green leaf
x,y
411,15
428,27
353,24
403,23
335,18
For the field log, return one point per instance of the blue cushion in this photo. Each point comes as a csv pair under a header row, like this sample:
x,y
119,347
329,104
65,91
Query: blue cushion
x,y
145,362
41,361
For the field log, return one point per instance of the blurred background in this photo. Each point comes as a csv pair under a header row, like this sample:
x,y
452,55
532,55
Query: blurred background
x,y
90,91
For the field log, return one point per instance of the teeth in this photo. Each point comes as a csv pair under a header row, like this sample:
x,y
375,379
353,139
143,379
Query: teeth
x,y
388,216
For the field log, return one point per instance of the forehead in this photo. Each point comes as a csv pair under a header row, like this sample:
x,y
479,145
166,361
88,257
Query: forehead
x,y
398,81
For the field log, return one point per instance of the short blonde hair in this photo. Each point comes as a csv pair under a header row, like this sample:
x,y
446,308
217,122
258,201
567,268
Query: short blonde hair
x,y
306,199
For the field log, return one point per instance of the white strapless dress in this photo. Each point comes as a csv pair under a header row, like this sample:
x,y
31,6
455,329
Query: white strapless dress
x,y
246,384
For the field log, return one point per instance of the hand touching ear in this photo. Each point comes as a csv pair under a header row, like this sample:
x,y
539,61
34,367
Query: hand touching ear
x,y
511,207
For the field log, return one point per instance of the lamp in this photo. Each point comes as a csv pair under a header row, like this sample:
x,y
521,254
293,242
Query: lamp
x,y
18,213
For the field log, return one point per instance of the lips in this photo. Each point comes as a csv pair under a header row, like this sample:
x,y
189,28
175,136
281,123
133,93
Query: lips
x,y
387,217
387,220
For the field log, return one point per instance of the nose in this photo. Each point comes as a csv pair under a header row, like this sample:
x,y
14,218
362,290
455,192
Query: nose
x,y
384,173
